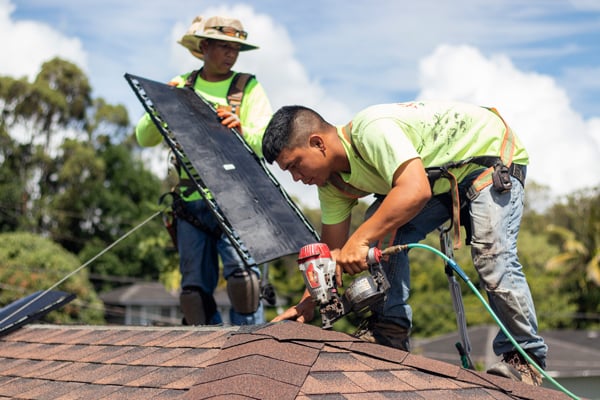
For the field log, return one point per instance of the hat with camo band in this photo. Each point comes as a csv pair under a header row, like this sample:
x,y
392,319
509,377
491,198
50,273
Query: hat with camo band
x,y
217,28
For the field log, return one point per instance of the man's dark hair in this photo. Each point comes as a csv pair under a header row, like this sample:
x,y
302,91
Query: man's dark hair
x,y
287,128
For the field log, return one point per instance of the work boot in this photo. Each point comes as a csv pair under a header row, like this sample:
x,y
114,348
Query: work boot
x,y
514,366
384,333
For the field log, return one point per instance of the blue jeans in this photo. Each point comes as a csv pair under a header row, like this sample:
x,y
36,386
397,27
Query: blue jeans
x,y
495,221
199,263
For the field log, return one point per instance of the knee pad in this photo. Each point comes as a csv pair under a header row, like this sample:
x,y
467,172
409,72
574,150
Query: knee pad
x,y
243,289
197,306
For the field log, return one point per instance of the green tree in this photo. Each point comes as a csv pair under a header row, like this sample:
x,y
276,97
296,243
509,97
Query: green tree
x,y
30,263
39,113
74,176
575,228
12,187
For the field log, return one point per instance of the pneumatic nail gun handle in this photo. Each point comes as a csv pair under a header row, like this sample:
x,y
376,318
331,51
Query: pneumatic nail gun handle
x,y
318,271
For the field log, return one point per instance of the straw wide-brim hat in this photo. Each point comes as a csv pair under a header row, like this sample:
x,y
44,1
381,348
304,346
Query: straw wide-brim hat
x,y
213,28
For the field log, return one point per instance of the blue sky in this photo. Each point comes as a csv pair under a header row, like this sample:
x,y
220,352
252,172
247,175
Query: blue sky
x,y
537,61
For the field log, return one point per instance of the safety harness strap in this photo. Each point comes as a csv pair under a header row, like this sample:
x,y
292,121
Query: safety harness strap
x,y
236,90
484,179
507,150
178,210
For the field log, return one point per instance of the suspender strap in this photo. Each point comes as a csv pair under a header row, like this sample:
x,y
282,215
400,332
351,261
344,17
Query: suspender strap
x,y
236,90
435,173
507,150
484,179
191,79
455,209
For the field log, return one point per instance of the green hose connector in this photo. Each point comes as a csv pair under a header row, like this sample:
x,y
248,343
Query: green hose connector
x,y
456,268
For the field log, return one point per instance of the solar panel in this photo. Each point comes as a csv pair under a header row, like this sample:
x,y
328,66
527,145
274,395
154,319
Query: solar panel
x,y
253,209
31,308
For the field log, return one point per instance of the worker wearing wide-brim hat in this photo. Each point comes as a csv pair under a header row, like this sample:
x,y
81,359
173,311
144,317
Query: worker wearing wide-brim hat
x,y
217,28
217,41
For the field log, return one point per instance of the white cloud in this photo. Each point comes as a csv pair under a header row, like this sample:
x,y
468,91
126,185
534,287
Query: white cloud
x,y
25,45
564,147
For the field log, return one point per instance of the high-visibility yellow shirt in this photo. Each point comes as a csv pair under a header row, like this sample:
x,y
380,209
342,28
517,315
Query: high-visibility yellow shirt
x,y
437,132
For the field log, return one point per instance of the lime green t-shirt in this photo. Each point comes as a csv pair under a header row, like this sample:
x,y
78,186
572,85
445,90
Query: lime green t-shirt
x,y
437,132
255,113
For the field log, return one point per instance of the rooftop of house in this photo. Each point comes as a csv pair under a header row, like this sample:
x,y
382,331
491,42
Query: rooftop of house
x,y
285,360
141,293
572,353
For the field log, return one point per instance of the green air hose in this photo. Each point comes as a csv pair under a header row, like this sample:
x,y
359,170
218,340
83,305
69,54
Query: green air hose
x,y
464,277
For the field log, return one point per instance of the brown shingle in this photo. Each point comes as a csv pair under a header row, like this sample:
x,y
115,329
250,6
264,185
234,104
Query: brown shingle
x,y
199,358
273,361
338,361
329,383
13,386
161,377
374,381
424,381
50,390
126,375
252,386
289,352
278,370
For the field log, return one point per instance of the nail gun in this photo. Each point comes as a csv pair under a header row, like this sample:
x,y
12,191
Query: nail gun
x,y
318,271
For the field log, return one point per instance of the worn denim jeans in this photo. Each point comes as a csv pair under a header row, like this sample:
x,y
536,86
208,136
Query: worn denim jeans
x,y
495,221
199,263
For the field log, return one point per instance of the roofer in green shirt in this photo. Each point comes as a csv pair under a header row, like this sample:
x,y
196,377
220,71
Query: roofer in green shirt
x,y
421,159
242,104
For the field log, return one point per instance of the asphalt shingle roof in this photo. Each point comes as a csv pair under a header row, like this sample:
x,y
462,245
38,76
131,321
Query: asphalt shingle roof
x,y
284,360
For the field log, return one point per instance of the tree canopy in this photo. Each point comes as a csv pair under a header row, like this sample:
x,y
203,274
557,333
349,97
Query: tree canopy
x,y
70,174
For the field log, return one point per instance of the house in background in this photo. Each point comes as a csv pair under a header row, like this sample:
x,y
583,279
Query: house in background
x,y
143,303
573,356
149,303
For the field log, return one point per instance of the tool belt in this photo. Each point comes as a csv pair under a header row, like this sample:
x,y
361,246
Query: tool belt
x,y
496,174
179,211
500,176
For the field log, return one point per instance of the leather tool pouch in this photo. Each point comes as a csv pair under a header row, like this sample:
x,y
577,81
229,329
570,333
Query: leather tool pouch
x,y
501,178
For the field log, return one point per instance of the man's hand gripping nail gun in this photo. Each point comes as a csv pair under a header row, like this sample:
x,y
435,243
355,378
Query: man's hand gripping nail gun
x,y
318,271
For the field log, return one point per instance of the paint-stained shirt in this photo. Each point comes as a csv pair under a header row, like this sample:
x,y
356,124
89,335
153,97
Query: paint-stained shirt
x,y
387,135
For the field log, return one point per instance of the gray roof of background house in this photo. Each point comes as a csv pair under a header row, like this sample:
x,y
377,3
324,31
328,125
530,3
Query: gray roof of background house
x,y
285,360
141,293
572,353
